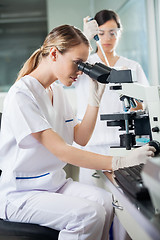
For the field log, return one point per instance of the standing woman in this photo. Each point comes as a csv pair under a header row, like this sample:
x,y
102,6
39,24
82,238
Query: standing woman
x,y
107,25
37,131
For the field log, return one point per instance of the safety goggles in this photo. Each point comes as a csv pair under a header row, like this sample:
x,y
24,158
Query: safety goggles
x,y
112,33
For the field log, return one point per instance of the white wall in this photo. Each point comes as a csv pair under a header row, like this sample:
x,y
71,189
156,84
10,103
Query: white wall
x,y
73,11
152,41
67,12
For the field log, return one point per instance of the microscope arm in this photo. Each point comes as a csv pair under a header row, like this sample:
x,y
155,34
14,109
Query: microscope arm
x,y
133,90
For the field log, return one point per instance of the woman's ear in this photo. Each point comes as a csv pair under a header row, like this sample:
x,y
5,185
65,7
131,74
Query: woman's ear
x,y
53,54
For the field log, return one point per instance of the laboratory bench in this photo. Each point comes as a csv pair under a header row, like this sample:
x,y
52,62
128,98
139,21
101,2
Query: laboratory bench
x,y
137,216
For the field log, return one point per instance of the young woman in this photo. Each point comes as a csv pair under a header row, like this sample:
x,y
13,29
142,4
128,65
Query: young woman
x,y
37,131
107,25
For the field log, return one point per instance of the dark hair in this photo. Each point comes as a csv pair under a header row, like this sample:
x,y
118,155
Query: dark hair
x,y
63,38
105,15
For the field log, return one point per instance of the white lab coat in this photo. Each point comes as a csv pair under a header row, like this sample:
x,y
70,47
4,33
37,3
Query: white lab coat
x,y
28,109
33,184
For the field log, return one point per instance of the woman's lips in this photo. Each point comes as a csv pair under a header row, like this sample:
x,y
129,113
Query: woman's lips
x,y
107,45
74,78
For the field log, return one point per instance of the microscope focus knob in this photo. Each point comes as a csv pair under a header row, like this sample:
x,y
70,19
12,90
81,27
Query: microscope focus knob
x,y
156,145
155,129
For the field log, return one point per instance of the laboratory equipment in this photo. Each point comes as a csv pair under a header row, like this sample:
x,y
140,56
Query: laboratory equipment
x,y
151,96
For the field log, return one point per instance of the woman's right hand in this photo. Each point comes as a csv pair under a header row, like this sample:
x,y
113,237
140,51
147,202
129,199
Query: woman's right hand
x,y
90,28
135,157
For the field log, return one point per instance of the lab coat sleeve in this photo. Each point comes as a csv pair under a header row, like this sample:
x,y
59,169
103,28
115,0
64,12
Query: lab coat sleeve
x,y
25,118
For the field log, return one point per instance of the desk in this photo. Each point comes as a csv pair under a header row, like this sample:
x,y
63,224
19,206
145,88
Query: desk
x,y
137,217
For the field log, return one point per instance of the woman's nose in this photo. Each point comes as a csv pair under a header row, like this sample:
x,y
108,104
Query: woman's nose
x,y
107,36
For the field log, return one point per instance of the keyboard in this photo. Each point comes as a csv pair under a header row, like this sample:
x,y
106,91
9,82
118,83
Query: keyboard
x,y
130,181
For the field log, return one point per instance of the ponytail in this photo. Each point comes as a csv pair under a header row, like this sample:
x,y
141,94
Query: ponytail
x,y
63,38
30,64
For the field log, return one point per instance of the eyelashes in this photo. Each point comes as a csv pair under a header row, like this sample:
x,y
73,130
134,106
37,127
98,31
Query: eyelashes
x,y
77,62
111,34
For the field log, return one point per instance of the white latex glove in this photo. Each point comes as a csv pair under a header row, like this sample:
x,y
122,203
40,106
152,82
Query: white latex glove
x,y
90,29
135,157
96,91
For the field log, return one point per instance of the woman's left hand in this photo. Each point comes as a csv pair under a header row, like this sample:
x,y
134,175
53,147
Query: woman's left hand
x,y
96,91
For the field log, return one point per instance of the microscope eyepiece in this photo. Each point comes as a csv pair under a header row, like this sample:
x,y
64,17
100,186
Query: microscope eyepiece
x,y
104,74
97,71
85,67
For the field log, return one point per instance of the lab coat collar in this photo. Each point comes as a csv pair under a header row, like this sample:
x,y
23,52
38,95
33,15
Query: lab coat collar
x,y
41,96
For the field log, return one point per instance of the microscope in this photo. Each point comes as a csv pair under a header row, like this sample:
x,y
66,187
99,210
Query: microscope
x,y
139,122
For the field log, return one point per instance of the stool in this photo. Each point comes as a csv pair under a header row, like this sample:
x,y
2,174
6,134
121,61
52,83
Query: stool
x,y
27,231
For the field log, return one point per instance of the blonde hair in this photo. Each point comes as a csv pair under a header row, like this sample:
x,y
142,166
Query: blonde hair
x,y
63,38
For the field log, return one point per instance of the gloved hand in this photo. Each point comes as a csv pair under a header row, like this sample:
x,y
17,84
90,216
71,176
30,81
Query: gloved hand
x,y
135,157
96,91
90,28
